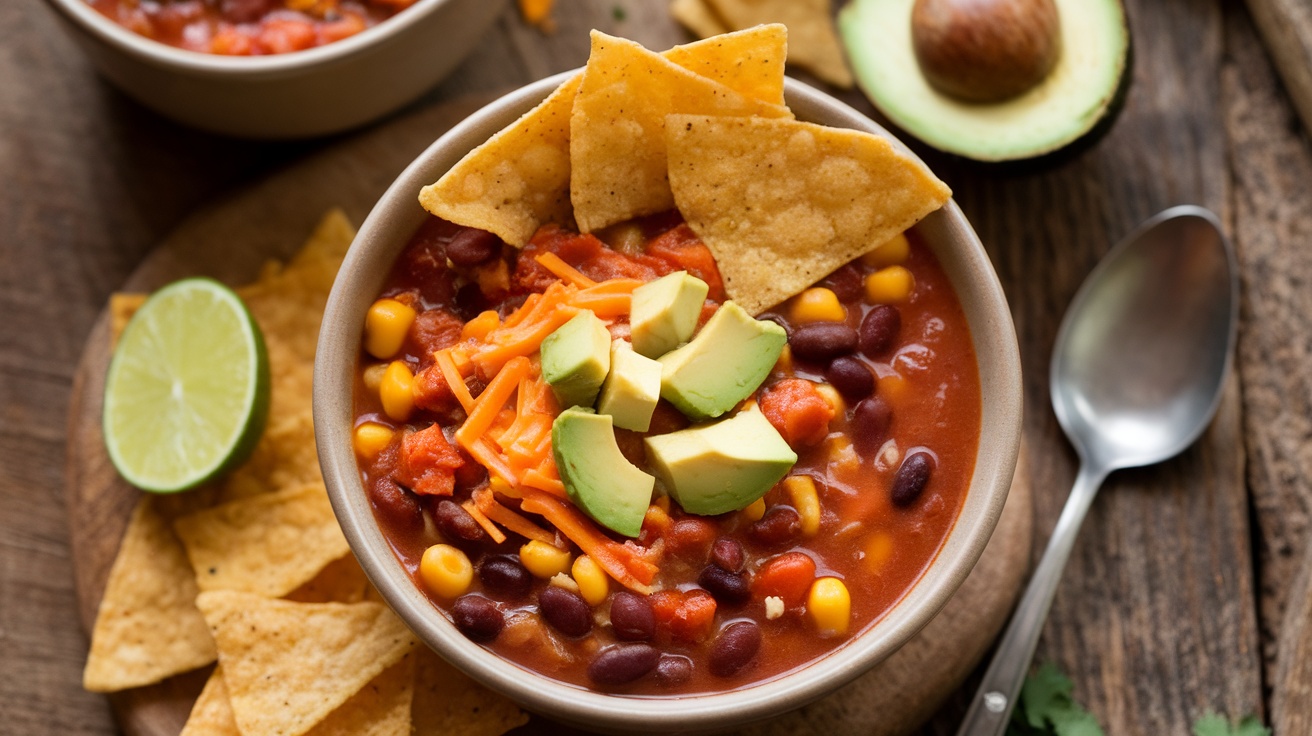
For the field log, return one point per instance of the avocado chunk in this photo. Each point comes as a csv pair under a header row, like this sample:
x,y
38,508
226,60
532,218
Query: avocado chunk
x,y
597,476
665,311
632,388
717,468
722,365
1075,101
576,359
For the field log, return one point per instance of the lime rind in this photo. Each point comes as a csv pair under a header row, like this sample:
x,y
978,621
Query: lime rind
x,y
187,392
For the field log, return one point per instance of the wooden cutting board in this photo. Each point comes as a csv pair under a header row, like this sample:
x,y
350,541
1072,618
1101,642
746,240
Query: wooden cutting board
x,y
232,238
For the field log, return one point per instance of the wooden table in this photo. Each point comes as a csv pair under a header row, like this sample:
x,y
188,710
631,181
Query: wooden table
x,y
1175,601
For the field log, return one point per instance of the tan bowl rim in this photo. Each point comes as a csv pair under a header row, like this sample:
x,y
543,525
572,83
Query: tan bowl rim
x,y
338,349
242,67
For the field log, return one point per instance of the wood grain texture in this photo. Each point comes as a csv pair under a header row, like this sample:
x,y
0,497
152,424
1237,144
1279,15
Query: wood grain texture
x,y
1286,27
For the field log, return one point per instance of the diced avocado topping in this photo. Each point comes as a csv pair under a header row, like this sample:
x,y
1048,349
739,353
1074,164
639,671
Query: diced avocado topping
x,y
723,364
665,312
717,468
597,476
631,389
576,359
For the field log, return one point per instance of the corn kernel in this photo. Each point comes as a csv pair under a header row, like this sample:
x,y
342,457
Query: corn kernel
x,y
446,571
818,304
878,549
480,326
544,560
894,252
594,586
893,388
830,606
801,491
385,327
785,362
831,395
371,438
889,285
397,391
755,510
373,376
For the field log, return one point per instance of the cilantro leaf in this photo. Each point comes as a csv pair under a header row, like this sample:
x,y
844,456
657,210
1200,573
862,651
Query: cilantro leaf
x,y
1046,707
1213,724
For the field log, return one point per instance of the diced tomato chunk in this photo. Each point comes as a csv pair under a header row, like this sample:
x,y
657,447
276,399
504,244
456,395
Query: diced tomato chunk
x,y
686,252
432,392
788,576
282,35
433,330
684,616
346,26
798,411
428,462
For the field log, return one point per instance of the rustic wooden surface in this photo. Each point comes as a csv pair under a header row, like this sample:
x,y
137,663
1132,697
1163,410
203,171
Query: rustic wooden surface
x,y
1180,596
219,241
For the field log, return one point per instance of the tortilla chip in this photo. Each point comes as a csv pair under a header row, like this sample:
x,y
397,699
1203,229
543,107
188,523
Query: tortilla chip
x,y
448,703
288,665
617,137
782,203
813,42
148,627
750,62
211,714
343,581
697,16
269,544
515,181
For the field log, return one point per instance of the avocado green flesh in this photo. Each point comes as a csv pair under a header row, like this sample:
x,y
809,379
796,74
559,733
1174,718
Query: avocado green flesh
x,y
576,359
1065,106
721,467
722,365
665,312
597,476
632,388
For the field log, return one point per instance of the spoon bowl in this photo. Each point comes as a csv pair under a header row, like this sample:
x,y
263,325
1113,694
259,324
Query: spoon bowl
x,y
1137,372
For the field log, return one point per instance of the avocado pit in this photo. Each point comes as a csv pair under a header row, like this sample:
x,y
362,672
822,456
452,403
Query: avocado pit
x,y
985,51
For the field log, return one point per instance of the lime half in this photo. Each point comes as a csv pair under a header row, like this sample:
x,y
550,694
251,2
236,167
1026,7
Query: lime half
x,y
187,393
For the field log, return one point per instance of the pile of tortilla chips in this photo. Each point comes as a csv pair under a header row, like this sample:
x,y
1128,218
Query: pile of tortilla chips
x,y
702,128
254,572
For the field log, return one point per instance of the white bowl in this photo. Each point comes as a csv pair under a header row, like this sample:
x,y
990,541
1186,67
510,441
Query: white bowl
x,y
300,94
381,239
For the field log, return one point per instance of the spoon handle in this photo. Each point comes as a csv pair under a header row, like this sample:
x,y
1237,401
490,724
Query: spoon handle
x,y
991,707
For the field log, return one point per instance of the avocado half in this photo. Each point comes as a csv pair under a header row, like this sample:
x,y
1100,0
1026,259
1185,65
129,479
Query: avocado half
x,y
1078,99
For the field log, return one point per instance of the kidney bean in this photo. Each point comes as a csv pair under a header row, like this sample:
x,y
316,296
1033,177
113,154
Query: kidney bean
x,y
730,588
779,526
477,617
245,11
851,377
822,341
632,617
911,478
673,669
879,330
688,538
727,554
505,577
471,247
845,283
399,506
623,663
734,648
455,524
565,610
870,422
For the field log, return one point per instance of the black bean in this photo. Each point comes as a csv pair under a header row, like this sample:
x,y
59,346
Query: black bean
x,y
728,554
399,506
470,301
734,648
822,341
845,283
673,669
779,526
870,422
455,524
477,617
879,330
730,588
565,610
632,617
911,478
851,377
505,577
471,247
623,663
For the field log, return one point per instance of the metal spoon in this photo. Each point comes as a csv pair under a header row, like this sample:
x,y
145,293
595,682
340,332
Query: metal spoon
x,y
1137,373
